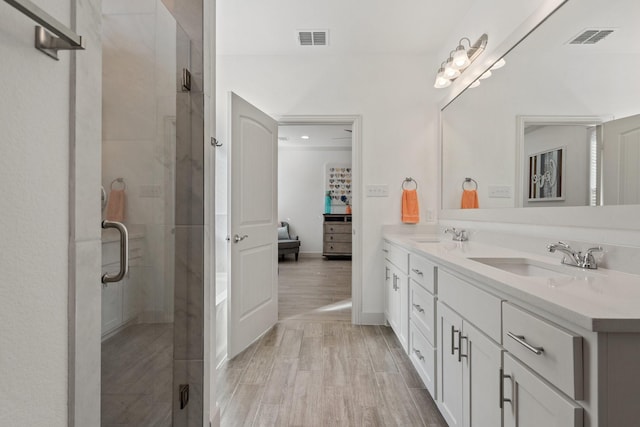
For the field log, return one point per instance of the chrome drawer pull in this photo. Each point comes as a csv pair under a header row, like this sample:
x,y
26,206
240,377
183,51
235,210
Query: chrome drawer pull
x,y
418,272
502,399
453,334
385,250
417,307
460,338
386,273
520,339
417,352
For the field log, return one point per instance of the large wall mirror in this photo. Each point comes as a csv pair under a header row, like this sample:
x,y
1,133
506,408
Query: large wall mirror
x,y
559,124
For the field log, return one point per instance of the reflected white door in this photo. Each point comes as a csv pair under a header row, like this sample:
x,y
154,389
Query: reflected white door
x,y
253,281
621,161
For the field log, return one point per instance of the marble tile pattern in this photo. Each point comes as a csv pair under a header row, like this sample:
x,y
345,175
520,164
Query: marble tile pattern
x,y
314,368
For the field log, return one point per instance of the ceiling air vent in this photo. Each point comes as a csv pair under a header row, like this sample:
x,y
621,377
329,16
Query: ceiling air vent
x,y
591,36
313,37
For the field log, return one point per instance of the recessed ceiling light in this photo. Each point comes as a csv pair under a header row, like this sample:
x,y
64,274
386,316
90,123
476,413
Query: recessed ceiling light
x,y
305,137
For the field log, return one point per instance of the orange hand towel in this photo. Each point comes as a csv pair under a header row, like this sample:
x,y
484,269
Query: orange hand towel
x,y
410,210
469,199
115,206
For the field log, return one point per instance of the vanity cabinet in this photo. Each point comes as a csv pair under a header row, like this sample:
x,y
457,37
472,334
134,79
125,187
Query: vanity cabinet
x,y
397,291
121,301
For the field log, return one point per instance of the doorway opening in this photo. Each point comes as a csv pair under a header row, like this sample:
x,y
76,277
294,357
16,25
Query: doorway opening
x,y
352,282
315,209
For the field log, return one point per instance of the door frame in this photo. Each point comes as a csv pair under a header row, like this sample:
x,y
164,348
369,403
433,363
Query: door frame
x,y
356,167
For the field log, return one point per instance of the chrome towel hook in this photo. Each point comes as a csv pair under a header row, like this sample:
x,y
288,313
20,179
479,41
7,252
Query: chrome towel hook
x,y
409,180
470,180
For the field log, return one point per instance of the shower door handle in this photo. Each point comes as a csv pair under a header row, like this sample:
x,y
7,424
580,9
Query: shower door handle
x,y
124,252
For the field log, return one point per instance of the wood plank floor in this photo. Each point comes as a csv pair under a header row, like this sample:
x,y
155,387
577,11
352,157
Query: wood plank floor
x,y
314,368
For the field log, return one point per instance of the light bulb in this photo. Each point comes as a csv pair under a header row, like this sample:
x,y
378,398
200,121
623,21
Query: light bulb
x,y
441,80
460,58
486,75
498,64
450,72
475,84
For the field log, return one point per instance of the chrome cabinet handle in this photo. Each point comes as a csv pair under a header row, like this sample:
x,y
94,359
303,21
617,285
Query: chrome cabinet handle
x,y
453,334
501,386
124,251
520,340
417,307
395,282
418,272
417,352
238,238
386,251
460,338
386,273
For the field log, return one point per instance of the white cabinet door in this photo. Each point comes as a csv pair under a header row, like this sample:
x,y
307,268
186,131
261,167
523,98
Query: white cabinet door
x,y
481,379
449,367
111,302
535,403
388,289
403,310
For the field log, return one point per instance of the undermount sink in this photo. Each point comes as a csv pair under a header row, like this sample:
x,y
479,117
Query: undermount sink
x,y
524,267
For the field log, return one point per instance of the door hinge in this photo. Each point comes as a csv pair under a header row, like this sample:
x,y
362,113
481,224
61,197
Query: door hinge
x,y
183,391
186,80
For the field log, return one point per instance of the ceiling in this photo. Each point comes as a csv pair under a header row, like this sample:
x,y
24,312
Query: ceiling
x,y
259,27
319,136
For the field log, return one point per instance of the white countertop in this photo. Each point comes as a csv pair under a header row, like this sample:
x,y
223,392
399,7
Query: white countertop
x,y
598,300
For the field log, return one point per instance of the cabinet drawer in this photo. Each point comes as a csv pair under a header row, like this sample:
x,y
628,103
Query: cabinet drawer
x,y
479,307
534,403
339,238
337,228
398,256
560,351
337,248
422,309
422,271
423,356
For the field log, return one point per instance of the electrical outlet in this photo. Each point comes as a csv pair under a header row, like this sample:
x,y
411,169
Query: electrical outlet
x,y
380,190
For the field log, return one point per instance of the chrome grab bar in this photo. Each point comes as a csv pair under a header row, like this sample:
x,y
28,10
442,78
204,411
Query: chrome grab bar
x,y
520,340
45,42
124,251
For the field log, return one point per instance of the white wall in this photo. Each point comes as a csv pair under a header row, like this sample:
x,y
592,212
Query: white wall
x,y
301,191
395,97
34,225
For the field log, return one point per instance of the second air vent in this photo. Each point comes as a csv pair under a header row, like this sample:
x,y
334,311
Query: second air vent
x,y
590,36
313,37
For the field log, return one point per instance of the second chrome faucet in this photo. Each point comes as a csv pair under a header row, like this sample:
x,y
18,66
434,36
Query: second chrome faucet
x,y
576,258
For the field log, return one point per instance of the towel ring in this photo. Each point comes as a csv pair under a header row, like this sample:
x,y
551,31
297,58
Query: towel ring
x,y
409,179
118,180
469,180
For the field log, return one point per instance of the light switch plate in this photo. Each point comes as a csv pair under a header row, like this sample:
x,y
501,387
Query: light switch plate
x,y
500,192
378,190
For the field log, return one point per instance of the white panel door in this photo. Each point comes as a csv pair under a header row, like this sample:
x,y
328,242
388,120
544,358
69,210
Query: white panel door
x,y
253,280
621,161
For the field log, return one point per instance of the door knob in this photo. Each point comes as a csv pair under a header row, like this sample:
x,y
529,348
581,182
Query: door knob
x,y
238,238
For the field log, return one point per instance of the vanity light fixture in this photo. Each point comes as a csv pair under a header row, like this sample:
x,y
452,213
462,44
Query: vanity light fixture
x,y
486,75
459,59
475,84
501,62
441,80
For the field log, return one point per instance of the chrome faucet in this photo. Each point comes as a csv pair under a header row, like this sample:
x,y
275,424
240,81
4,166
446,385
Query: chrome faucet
x,y
576,259
458,235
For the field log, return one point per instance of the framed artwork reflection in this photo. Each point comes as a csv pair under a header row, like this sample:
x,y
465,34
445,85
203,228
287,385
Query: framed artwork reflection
x,y
546,175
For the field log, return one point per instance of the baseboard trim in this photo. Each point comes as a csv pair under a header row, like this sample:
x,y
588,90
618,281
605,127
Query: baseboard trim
x,y
372,319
